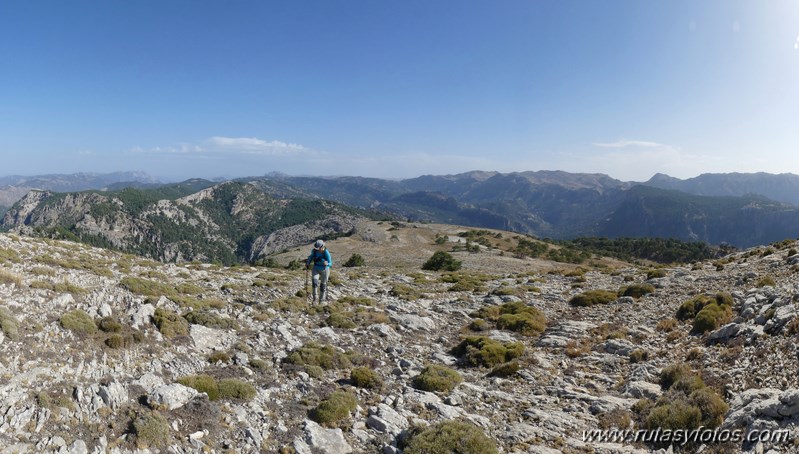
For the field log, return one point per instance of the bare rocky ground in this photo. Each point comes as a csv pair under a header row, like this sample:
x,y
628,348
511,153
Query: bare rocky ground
x,y
66,387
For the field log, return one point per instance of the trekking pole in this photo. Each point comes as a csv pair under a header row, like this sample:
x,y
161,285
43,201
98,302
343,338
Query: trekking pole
x,y
307,293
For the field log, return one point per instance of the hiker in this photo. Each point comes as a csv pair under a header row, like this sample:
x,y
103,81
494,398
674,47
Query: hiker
x,y
321,260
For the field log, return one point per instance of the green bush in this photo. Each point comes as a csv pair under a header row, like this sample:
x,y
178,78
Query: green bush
x,y
78,321
448,437
442,261
233,388
354,260
711,317
170,324
592,297
672,374
324,356
674,415
437,378
687,402
482,351
405,292
342,320
202,383
657,273
766,281
479,324
118,341
363,377
639,355
514,316
711,406
335,408
218,357
9,324
636,290
209,319
109,325
152,431
505,370
691,308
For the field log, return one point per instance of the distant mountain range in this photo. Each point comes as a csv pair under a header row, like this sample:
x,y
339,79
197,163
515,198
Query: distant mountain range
x,y
738,209
14,187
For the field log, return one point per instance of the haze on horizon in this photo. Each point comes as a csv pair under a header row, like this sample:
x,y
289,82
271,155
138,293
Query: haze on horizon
x,y
183,89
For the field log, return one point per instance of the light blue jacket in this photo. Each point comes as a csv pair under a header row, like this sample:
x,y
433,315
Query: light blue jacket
x,y
318,259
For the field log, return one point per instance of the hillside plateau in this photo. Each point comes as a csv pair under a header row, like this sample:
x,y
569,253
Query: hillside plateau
x,y
107,352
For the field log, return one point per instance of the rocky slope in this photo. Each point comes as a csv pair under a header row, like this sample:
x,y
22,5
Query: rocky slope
x,y
98,348
227,223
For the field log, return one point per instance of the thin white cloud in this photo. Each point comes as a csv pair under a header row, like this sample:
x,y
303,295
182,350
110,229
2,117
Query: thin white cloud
x,y
625,143
252,145
182,148
219,145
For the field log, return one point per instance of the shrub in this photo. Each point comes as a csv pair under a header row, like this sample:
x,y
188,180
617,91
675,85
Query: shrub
x,y
636,290
711,406
335,408
324,356
208,319
342,320
479,324
442,261
618,418
109,325
354,260
505,370
691,308
672,374
638,355
233,388
711,317
118,341
438,378
152,430
170,324
766,281
9,324
202,383
666,325
676,414
592,297
405,292
482,351
78,321
654,274
449,437
218,357
363,377
146,287
7,277
515,316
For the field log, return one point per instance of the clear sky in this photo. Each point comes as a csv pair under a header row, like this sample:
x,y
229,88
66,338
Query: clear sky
x,y
392,88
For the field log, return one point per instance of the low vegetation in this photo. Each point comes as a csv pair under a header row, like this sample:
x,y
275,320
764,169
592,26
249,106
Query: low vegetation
x,y
437,378
338,406
442,261
481,351
78,321
514,316
687,403
592,297
227,388
707,312
448,437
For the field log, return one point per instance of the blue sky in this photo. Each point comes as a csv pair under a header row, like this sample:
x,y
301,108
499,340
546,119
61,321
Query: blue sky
x,y
399,88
